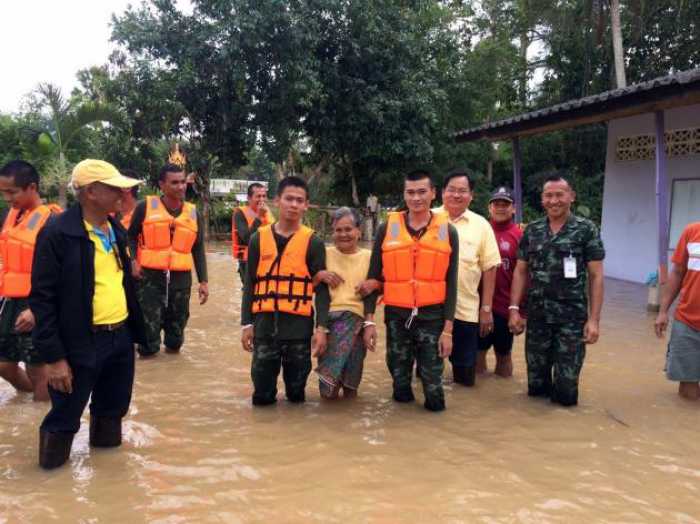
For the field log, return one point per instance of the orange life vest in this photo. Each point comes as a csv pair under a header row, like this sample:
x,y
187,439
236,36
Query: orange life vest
x,y
238,250
166,242
415,270
283,282
17,241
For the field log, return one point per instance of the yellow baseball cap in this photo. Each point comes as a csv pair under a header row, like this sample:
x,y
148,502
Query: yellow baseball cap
x,y
89,171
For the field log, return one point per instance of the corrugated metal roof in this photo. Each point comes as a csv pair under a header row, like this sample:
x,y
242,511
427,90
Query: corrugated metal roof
x,y
602,102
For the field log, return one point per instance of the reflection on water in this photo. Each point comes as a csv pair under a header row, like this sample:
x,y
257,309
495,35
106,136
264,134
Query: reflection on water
x,y
195,450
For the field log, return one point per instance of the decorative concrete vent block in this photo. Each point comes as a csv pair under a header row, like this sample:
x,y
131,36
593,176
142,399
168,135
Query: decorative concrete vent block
x,y
679,142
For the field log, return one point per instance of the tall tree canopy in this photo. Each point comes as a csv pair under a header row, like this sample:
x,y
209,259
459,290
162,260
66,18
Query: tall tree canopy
x,y
352,93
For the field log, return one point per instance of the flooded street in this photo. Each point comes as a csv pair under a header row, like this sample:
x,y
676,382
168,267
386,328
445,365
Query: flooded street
x,y
196,451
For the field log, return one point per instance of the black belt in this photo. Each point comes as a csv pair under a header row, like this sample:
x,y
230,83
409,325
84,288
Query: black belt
x,y
108,327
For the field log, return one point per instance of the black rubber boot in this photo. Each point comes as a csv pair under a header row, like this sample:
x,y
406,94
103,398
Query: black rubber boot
x,y
296,397
54,449
105,432
404,395
540,391
464,375
469,376
565,399
435,404
263,400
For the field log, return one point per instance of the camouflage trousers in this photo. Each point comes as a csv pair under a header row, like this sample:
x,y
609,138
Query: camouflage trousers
x,y
171,318
15,347
420,345
554,354
269,355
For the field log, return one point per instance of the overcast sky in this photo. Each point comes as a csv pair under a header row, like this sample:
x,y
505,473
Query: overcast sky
x,y
50,41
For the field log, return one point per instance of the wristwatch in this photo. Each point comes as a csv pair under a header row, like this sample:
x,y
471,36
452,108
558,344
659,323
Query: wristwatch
x,y
486,308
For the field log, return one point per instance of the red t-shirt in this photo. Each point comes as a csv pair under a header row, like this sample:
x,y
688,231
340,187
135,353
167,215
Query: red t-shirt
x,y
508,237
687,255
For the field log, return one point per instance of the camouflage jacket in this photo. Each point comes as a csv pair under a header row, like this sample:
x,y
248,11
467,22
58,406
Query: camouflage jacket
x,y
551,297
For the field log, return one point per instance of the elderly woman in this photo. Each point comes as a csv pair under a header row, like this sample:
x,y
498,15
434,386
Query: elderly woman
x,y
351,331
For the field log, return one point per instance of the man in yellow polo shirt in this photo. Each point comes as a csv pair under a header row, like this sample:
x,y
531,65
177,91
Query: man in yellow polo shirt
x,y
478,260
87,315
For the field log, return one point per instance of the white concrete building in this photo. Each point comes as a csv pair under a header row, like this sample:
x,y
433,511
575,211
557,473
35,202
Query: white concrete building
x,y
629,225
647,201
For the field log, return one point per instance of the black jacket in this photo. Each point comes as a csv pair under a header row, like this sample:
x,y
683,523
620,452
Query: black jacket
x,y
63,286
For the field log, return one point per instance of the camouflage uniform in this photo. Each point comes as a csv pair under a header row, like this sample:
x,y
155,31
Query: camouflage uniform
x,y
171,319
557,306
15,347
419,344
269,355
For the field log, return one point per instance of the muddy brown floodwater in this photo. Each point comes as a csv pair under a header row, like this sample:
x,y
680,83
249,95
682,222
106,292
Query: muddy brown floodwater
x,y
196,451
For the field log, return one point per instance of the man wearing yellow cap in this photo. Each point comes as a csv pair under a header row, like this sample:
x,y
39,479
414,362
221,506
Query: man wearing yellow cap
x,y
87,314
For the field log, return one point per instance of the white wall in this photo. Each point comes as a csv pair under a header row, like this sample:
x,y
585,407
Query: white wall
x,y
629,228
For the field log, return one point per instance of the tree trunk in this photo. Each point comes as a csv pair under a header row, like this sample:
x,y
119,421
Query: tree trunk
x,y
205,217
618,50
524,45
489,163
318,169
353,182
62,184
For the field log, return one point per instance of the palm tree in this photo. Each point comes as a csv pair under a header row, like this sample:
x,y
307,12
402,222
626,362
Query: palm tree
x,y
66,119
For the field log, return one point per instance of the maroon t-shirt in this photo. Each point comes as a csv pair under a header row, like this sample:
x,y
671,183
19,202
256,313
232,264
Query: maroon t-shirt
x,y
508,237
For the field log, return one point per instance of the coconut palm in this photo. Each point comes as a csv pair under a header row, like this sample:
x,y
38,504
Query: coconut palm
x,y
66,118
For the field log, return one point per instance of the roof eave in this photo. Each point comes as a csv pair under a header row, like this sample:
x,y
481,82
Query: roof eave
x,y
574,113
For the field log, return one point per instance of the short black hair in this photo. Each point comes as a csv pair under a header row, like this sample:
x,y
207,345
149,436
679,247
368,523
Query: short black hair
x,y
292,181
556,177
23,173
418,174
130,173
252,187
169,168
458,173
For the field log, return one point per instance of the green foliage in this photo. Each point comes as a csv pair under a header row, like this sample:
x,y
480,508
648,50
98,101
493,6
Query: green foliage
x,y
348,95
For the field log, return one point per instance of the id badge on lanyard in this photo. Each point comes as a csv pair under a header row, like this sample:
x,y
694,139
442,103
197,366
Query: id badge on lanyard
x,y
570,266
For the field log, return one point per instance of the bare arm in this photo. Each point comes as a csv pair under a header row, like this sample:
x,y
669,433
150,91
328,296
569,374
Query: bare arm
x,y
595,286
591,329
668,296
517,289
488,285
672,287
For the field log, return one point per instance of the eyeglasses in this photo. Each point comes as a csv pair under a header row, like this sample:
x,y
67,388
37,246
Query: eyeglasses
x,y
457,191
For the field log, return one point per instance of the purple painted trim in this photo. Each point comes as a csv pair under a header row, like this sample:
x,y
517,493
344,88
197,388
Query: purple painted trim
x,y
661,196
517,181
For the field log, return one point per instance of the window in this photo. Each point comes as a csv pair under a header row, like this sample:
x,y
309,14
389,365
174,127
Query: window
x,y
685,207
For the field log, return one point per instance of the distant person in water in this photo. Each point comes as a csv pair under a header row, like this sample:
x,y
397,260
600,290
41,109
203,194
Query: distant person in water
x,y
245,221
508,235
352,330
683,356
416,255
277,310
560,264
